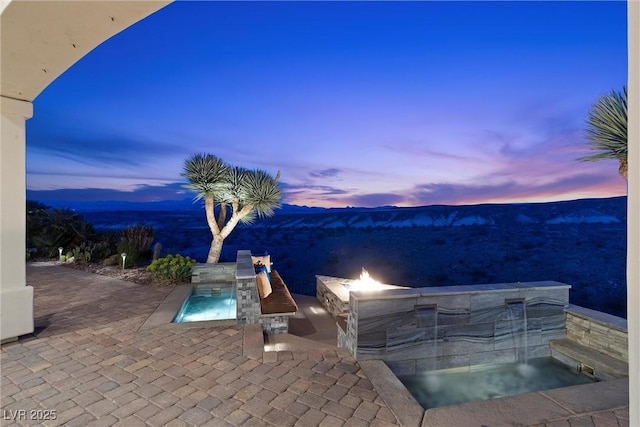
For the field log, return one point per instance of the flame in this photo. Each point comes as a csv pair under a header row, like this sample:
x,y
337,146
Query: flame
x,y
366,277
365,282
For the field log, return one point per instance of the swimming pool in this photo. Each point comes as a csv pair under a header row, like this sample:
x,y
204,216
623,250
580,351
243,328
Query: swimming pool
x,y
216,301
433,389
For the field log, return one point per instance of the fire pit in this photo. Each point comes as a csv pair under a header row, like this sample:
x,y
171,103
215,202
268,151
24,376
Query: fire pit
x,y
333,292
364,283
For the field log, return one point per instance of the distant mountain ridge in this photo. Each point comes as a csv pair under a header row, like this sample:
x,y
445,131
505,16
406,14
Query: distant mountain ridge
x,y
161,205
582,211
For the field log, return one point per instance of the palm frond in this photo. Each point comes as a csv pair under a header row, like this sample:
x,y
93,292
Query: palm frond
x,y
235,181
607,128
207,174
261,191
250,218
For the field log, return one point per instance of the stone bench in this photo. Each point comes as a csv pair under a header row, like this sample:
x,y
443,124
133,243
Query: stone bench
x,y
277,306
591,361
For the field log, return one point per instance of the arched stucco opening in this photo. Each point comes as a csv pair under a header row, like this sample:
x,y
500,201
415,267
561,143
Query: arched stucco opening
x,y
40,40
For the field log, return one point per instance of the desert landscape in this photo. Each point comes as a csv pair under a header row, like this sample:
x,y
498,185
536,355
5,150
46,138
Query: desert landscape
x,y
581,242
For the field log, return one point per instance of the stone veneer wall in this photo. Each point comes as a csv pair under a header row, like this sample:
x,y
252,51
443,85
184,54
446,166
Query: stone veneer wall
x,y
600,331
329,298
445,327
221,272
275,324
248,301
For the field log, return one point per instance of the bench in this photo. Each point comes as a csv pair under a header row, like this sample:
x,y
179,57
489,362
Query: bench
x,y
275,306
589,360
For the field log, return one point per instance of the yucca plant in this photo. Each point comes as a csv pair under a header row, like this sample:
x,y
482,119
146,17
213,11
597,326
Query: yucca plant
x,y
607,130
240,195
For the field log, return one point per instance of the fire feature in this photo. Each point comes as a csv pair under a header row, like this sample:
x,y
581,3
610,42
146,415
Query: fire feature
x,y
334,292
364,283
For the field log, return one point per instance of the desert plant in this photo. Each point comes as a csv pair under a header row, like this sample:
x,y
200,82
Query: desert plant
x,y
82,254
112,260
87,252
172,269
51,228
607,130
244,194
157,249
136,241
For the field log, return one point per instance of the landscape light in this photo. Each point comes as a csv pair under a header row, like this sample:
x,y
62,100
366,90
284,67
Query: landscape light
x,y
124,256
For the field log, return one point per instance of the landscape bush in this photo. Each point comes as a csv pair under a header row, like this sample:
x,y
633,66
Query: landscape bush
x,y
135,241
89,252
172,269
51,228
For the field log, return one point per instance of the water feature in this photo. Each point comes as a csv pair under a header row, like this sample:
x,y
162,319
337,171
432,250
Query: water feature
x,y
516,314
215,301
434,389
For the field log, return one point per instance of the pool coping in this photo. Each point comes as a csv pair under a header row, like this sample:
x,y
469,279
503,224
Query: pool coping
x,y
525,409
163,315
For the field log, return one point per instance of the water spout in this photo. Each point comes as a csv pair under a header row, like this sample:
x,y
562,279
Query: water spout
x,y
516,312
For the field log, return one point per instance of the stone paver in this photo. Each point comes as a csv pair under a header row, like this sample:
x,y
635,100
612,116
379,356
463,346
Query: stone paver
x,y
89,362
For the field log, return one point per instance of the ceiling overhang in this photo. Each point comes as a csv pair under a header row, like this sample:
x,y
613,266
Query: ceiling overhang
x,y
40,40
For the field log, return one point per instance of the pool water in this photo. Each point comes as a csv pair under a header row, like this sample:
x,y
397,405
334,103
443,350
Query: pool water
x,y
209,303
454,386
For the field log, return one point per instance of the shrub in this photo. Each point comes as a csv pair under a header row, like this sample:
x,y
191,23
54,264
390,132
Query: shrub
x,y
87,252
112,260
172,269
136,242
51,228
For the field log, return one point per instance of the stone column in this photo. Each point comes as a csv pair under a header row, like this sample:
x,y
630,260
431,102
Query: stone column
x,y
248,302
16,298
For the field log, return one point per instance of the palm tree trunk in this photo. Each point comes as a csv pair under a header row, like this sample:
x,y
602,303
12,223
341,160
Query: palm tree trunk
x,y
215,250
218,239
623,168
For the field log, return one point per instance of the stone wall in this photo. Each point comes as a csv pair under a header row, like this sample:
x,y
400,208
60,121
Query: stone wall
x,y
445,327
599,331
275,324
248,301
221,272
329,298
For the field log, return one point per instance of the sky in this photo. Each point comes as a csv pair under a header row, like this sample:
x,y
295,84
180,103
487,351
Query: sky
x,y
355,103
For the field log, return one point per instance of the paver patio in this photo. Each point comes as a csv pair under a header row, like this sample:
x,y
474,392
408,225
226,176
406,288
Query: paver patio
x,y
89,362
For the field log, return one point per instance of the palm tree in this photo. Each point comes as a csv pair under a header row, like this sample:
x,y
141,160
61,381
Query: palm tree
x,y
607,129
243,193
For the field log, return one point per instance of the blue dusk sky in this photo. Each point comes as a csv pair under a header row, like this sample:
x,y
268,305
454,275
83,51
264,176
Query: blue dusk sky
x,y
356,103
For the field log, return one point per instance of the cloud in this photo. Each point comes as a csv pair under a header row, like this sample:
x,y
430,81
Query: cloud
x,y
311,188
375,199
144,193
87,148
573,186
324,173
